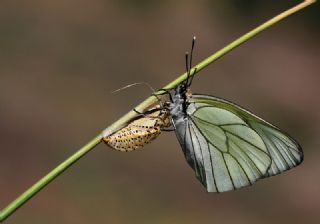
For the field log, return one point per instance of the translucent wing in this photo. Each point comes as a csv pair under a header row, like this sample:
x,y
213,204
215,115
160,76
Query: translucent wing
x,y
285,152
229,147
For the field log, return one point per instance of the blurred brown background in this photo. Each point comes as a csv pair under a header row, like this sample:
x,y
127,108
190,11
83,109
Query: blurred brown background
x,y
59,61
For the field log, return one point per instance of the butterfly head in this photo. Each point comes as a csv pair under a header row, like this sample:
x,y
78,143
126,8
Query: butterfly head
x,y
183,88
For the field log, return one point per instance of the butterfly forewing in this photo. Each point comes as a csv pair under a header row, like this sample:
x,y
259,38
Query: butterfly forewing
x,y
224,151
285,152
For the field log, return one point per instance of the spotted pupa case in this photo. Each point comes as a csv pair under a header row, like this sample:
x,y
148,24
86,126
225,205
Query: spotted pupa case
x,y
140,131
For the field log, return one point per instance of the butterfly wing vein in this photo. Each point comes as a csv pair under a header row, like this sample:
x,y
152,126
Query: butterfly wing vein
x,y
229,148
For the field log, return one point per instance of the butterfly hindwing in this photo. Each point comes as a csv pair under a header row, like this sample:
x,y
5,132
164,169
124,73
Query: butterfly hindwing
x,y
285,152
224,151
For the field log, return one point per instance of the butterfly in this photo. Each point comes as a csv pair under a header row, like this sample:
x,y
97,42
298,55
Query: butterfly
x,y
227,146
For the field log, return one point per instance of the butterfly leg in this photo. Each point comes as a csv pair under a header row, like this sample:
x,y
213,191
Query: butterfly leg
x,y
165,91
168,129
138,112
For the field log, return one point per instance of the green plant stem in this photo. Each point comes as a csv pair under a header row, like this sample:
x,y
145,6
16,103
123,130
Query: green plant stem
x,y
32,191
13,206
151,100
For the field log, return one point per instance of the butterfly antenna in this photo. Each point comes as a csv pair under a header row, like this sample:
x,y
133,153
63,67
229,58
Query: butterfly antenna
x,y
190,78
187,66
191,54
186,82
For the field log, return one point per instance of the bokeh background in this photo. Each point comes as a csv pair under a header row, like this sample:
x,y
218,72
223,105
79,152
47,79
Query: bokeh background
x,y
59,62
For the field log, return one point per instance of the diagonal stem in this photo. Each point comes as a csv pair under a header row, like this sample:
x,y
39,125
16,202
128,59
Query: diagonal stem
x,y
33,190
23,198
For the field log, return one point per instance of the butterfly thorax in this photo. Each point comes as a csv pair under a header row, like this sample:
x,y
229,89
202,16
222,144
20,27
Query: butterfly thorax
x,y
178,107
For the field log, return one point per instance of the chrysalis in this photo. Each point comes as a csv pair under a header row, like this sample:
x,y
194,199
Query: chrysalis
x,y
140,131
